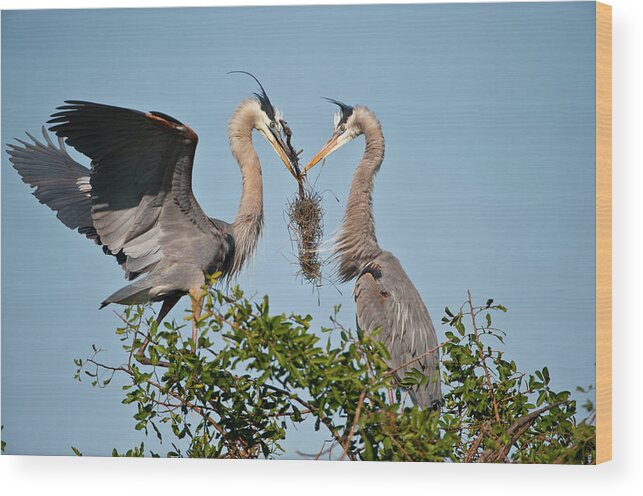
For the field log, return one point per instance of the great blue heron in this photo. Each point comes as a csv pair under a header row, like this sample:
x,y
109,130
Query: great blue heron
x,y
137,199
384,295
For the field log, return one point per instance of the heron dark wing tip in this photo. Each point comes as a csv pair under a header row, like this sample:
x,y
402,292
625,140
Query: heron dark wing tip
x,y
59,114
81,103
31,137
11,147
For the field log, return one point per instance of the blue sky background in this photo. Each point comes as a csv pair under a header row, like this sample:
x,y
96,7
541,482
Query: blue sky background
x,y
487,184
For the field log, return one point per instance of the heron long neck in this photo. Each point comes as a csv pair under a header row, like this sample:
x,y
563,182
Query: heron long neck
x,y
248,222
357,244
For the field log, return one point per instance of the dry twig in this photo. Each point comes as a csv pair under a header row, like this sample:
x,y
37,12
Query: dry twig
x,y
482,358
305,213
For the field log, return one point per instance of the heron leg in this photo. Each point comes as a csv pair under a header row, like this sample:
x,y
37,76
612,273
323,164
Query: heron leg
x,y
168,304
197,304
390,396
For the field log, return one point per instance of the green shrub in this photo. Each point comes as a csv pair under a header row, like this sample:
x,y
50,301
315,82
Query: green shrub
x,y
255,375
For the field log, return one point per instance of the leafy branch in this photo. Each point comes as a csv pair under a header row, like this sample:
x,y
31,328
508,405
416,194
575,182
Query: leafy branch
x,y
253,375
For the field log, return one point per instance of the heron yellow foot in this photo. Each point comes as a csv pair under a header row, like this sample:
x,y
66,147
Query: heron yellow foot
x,y
195,333
197,304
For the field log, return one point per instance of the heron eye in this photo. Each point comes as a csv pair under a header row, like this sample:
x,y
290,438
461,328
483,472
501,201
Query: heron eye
x,y
342,128
273,125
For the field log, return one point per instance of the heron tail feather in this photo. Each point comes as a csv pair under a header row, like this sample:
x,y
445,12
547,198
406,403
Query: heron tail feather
x,y
133,294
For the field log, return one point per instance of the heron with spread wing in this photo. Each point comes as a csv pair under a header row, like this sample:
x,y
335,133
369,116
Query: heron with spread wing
x,y
384,295
136,199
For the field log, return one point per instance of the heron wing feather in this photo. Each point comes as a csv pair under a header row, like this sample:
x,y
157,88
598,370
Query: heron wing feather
x,y
141,184
59,180
385,297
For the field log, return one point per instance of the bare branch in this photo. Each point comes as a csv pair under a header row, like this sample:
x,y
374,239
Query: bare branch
x,y
349,436
482,358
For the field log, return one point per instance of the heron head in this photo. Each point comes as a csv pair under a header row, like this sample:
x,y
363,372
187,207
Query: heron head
x,y
346,127
269,122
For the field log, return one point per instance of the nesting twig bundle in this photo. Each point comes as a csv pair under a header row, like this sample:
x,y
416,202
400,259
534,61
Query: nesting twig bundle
x,y
306,225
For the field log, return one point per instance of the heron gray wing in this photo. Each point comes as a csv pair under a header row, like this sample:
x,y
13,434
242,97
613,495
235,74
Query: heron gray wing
x,y
141,185
60,182
385,297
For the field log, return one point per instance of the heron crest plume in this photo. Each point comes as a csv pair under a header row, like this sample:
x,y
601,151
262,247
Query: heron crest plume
x,y
266,105
345,111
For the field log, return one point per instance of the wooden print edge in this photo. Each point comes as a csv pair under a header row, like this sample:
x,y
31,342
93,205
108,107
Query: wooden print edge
x,y
603,232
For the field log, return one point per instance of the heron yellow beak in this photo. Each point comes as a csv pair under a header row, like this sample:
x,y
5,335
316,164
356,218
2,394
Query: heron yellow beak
x,y
282,150
326,150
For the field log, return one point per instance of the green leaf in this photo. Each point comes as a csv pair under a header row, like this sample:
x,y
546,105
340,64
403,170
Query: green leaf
x,y
256,375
